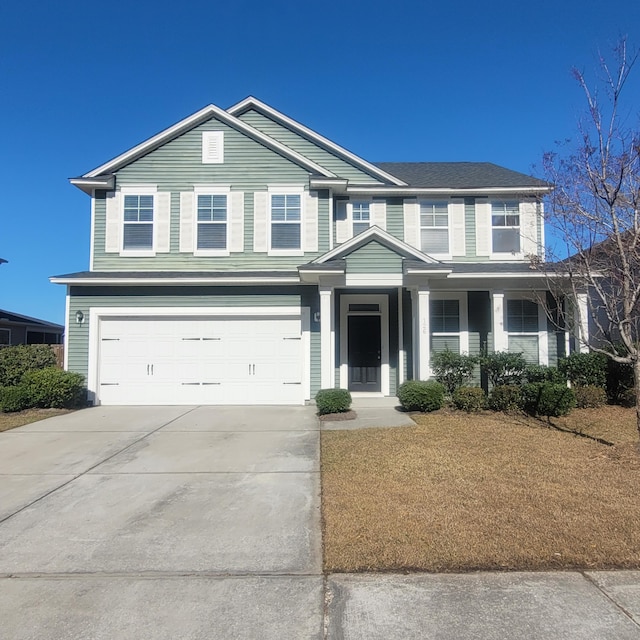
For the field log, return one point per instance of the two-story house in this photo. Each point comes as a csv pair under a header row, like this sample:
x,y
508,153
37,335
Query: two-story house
x,y
238,257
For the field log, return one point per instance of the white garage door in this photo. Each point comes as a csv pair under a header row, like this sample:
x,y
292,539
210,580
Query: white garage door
x,y
230,360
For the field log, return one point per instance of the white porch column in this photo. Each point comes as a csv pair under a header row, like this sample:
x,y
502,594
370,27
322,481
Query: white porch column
x,y
582,322
500,337
326,361
424,335
401,352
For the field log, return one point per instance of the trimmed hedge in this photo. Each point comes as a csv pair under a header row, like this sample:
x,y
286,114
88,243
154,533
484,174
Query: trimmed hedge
x,y
14,399
584,369
421,395
16,361
333,401
469,399
54,388
542,373
548,399
590,396
503,367
506,398
452,369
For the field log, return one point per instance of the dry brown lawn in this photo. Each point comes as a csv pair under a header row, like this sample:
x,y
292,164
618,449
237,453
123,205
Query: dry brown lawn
x,y
468,492
13,420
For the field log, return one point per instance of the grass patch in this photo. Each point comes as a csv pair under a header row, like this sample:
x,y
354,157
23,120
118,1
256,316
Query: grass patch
x,y
13,420
469,492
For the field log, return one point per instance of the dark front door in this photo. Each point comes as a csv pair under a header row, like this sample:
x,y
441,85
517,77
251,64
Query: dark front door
x,y
364,353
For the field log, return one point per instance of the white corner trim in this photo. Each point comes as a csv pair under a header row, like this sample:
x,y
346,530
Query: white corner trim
x,y
67,311
92,240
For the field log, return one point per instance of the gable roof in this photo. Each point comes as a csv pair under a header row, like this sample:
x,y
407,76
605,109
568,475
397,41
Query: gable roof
x,y
384,238
190,122
375,170
460,175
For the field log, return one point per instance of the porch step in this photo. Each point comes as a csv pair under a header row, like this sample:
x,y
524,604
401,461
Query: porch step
x,y
373,402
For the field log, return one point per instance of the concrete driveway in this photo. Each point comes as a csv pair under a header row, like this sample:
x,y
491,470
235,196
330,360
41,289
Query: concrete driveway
x,y
167,522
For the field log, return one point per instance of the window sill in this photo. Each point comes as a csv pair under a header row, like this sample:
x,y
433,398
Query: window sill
x,y
285,252
511,257
210,254
137,254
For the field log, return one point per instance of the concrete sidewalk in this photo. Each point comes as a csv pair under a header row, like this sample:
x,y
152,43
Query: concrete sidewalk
x,y
372,412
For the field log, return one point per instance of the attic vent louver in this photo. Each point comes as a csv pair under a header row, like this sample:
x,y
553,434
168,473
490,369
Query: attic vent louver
x,y
212,147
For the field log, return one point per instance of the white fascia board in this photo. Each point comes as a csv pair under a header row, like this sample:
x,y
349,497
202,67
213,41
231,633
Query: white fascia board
x,y
192,121
505,274
250,102
88,185
416,191
428,272
172,281
373,233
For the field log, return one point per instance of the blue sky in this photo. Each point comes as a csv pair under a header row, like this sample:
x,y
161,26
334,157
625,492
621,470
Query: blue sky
x,y
391,81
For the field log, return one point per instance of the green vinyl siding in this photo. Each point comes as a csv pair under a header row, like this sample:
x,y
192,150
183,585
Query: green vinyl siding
x,y
395,217
85,298
374,257
248,166
307,148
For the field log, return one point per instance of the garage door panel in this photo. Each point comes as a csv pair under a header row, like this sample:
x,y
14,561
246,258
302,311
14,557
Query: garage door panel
x,y
231,360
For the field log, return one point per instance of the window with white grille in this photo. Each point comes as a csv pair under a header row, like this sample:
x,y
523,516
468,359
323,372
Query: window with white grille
x,y
434,227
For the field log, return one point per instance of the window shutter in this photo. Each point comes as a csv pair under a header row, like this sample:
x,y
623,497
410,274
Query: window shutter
x,y
379,214
310,218
411,210
163,222
483,228
236,222
342,222
187,221
529,228
260,221
456,217
113,222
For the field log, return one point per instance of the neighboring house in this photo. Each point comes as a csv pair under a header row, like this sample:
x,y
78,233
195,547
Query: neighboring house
x,y
19,329
239,257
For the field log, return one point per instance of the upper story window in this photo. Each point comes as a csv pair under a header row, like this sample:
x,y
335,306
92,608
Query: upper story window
x,y
138,223
212,222
434,227
505,227
212,147
360,216
286,218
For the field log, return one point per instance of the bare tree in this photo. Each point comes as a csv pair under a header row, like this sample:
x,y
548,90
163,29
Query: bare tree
x,y
594,210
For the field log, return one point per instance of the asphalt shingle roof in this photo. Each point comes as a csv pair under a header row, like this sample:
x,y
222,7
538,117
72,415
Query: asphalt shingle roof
x,y
458,175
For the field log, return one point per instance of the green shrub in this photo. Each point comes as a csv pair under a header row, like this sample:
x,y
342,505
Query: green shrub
x,y
582,369
590,396
452,369
619,381
504,368
469,399
548,399
540,373
421,395
506,398
333,401
14,399
55,388
627,398
16,361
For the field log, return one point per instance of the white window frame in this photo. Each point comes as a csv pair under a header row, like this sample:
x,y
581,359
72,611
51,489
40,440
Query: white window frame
x,y
211,190
441,256
463,311
139,190
217,137
350,213
501,255
6,330
541,333
285,190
